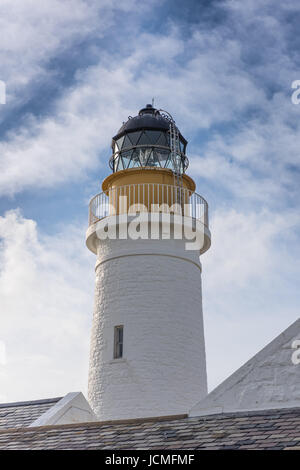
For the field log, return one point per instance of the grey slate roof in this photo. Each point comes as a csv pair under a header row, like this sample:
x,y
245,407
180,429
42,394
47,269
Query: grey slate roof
x,y
272,429
22,414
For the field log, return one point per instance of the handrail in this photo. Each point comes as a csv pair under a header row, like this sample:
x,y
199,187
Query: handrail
x,y
151,197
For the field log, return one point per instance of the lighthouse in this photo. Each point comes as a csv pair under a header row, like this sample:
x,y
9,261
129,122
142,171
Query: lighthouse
x,y
147,353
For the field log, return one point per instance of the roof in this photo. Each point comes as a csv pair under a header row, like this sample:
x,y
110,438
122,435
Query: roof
x,y
22,414
270,379
147,118
270,429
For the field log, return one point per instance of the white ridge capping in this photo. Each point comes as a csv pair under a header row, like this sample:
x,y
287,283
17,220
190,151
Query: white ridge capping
x,y
269,380
72,408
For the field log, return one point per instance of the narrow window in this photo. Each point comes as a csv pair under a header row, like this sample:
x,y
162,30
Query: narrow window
x,y
118,342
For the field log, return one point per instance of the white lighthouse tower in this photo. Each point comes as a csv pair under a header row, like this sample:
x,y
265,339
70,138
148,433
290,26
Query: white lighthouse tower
x,y
147,353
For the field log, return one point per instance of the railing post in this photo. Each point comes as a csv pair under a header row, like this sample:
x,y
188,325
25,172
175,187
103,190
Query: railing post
x,y
101,203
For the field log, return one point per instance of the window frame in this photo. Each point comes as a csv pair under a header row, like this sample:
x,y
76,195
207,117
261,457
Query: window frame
x,y
118,345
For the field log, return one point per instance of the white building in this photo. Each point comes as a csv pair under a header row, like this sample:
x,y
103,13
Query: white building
x,y
147,348
147,362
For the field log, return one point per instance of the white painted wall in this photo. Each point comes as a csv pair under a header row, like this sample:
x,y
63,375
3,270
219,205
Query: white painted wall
x,y
269,380
153,288
72,408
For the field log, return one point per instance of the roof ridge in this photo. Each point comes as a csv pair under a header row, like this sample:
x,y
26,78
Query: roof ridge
x,y
248,413
30,402
91,424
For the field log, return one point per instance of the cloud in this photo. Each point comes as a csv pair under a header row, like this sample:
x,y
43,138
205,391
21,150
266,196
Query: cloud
x,y
228,86
259,162
47,151
46,291
32,33
245,241
208,79
250,287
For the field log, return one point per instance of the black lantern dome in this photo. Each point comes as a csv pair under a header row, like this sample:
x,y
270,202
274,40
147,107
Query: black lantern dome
x,y
144,141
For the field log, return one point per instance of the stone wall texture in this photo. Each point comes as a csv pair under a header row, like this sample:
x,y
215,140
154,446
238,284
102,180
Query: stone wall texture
x,y
269,380
153,288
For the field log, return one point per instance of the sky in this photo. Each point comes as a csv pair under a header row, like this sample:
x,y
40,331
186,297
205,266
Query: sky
x,y
74,71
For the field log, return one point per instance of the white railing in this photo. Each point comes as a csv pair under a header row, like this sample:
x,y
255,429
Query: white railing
x,y
148,197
